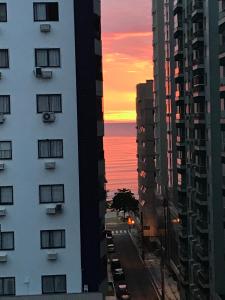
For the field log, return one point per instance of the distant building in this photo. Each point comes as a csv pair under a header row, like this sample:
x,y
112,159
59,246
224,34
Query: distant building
x,y
52,197
145,156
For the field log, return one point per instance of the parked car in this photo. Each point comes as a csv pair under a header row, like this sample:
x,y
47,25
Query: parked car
x,y
122,292
111,248
115,264
118,275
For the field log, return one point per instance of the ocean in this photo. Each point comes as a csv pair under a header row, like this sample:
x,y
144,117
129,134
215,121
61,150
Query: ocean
x,y
120,155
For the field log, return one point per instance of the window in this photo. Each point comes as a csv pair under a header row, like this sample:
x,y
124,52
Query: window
x,y
5,150
52,239
6,240
52,284
4,104
4,58
6,195
3,12
46,11
51,193
45,58
49,103
7,286
50,148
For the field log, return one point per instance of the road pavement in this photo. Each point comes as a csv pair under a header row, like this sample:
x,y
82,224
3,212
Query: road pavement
x,y
137,276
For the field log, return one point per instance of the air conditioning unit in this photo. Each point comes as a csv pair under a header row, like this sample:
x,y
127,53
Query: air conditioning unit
x,y
2,118
54,209
38,72
3,257
58,208
44,74
45,28
2,212
48,117
50,165
52,256
2,166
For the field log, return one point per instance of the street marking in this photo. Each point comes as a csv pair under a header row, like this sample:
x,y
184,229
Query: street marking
x,y
119,232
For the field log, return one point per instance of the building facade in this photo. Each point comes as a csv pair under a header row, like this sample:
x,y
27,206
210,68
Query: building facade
x,y
145,154
195,111
51,149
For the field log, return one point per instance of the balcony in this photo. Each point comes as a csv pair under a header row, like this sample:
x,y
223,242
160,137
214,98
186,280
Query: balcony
x,y
181,163
222,54
198,64
178,52
180,118
177,6
221,20
179,96
202,252
199,118
201,198
199,91
202,226
178,30
200,171
181,188
203,279
179,75
197,10
198,39
180,141
200,144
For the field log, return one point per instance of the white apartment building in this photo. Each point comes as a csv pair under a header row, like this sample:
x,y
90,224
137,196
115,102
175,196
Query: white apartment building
x,y
51,150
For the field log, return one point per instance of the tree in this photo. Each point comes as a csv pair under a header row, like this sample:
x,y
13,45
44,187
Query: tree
x,y
124,200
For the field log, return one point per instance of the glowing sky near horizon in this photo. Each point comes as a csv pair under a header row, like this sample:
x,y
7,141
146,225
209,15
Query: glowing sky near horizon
x,y
127,55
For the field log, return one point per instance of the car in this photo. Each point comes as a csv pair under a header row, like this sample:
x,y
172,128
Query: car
x,y
115,264
111,248
118,275
122,292
108,234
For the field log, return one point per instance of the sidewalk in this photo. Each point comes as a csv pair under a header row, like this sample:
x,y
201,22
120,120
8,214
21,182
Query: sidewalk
x,y
152,262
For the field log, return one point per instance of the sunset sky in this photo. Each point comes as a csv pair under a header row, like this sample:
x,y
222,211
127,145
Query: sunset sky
x,y
127,55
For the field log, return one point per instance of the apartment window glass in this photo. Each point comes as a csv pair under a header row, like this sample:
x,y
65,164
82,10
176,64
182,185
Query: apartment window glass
x,y
49,103
45,58
6,195
3,12
4,58
46,11
4,104
52,284
6,150
6,240
50,148
51,239
51,193
7,286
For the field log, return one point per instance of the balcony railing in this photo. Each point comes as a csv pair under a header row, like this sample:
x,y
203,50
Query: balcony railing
x,y
198,61
198,33
200,142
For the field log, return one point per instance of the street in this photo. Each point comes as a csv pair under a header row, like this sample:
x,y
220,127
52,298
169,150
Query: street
x,y
137,276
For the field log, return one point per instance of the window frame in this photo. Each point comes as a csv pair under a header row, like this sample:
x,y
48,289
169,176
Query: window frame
x,y
14,283
51,185
9,100
53,277
46,3
51,231
9,158
13,241
49,95
6,203
7,51
48,50
6,16
43,157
